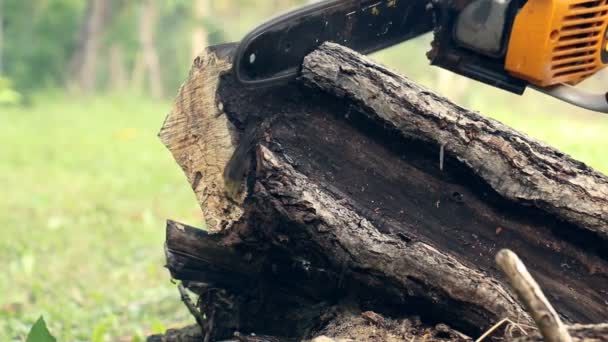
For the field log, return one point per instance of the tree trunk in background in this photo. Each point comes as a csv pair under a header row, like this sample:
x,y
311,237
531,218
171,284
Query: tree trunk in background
x,y
137,77
118,74
84,61
199,33
151,63
1,38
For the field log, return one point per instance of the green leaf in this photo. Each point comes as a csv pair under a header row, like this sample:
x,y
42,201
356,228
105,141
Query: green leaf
x,y
100,331
40,333
158,327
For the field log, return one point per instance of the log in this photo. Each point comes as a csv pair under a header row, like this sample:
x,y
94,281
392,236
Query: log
x,y
353,190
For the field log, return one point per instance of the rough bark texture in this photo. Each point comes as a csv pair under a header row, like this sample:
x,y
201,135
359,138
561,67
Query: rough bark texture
x,y
327,199
1,37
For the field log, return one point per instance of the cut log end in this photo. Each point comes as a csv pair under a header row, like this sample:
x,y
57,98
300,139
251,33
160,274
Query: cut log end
x,y
203,140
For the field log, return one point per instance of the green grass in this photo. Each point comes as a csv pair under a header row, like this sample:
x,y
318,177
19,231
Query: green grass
x,y
86,188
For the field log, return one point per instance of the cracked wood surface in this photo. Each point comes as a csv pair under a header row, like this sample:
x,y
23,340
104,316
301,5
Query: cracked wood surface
x,y
515,165
202,139
416,270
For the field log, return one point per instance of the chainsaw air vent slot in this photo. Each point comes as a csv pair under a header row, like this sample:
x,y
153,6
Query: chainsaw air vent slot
x,y
579,41
586,4
565,64
593,32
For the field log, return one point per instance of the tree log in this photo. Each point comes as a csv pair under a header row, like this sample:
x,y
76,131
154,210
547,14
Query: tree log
x,y
353,189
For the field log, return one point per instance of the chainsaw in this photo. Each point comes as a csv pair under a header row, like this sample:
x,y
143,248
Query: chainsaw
x,y
547,45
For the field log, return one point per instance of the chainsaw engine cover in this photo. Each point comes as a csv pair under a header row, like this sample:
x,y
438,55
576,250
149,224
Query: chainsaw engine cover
x,y
559,41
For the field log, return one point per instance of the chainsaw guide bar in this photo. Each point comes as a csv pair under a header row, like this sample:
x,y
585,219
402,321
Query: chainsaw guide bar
x,y
273,53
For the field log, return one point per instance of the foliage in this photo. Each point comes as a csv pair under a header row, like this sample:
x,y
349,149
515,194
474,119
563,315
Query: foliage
x,y
39,37
39,332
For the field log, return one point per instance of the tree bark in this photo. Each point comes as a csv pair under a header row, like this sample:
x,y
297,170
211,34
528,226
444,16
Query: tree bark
x,y
118,72
1,37
353,189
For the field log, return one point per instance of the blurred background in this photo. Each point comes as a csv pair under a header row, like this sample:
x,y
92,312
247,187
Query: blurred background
x,y
85,185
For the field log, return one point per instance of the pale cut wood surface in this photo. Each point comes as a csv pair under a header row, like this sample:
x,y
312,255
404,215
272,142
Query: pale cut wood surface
x,y
202,139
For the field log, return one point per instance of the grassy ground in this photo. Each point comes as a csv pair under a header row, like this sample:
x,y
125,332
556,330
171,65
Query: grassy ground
x,y
86,187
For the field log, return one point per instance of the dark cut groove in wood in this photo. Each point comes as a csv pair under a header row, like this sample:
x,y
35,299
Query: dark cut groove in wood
x,y
516,166
411,273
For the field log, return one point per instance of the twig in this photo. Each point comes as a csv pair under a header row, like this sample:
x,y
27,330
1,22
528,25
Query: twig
x,y
533,298
190,305
501,323
492,329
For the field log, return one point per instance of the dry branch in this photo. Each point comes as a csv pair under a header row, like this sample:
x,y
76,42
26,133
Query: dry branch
x,y
533,298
